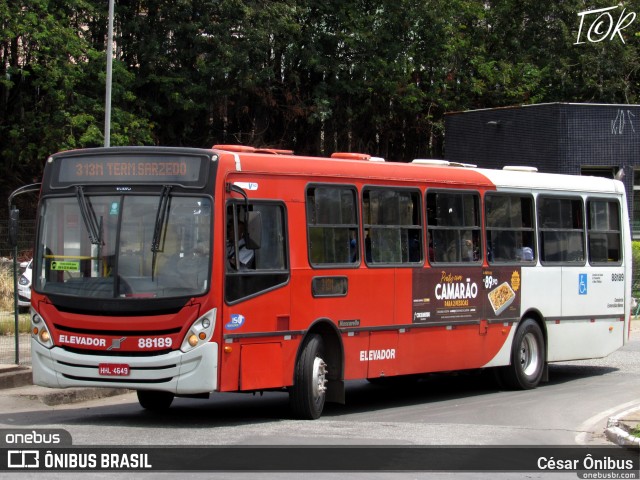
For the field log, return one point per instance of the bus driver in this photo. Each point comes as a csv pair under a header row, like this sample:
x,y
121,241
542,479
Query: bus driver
x,y
245,255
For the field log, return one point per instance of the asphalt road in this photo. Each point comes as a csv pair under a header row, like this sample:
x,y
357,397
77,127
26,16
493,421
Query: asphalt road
x,y
464,409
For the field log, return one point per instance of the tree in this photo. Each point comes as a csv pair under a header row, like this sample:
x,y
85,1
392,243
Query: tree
x,y
52,86
314,76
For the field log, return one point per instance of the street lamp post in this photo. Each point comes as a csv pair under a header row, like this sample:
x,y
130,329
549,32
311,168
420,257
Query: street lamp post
x,y
107,102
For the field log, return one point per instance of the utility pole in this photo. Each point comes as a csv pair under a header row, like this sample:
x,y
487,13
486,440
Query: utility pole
x,y
107,102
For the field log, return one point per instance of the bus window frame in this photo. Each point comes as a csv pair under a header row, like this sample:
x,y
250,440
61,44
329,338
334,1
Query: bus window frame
x,y
421,218
616,201
479,227
117,305
358,226
540,229
255,272
533,229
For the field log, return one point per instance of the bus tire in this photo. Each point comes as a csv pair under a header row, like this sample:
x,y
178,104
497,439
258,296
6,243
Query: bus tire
x,y
308,393
154,400
527,357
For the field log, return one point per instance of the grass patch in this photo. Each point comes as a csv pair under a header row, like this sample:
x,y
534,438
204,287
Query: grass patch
x,y
8,324
636,431
6,287
7,319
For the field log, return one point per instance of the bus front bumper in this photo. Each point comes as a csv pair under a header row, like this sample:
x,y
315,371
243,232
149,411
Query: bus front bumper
x,y
181,373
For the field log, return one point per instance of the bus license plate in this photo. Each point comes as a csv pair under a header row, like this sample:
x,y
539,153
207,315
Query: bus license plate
x,y
113,369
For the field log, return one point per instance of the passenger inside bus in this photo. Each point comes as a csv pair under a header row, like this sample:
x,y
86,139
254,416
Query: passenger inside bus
x,y
470,253
353,246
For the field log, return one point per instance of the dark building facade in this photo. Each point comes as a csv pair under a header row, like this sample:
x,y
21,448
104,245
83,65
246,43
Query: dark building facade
x,y
569,138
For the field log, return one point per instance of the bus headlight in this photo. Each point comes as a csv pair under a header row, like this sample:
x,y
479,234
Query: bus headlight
x,y
200,331
40,331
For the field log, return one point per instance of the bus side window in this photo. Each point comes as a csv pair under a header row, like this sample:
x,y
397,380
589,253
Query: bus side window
x,y
604,231
562,232
264,268
509,227
332,225
453,226
393,222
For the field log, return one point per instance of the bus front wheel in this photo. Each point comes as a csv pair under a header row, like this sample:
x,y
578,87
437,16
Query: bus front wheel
x,y
527,357
308,393
154,400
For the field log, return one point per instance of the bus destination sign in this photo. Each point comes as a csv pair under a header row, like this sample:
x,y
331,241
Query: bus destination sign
x,y
186,170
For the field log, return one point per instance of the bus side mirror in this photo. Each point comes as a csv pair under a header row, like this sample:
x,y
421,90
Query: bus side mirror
x,y
14,216
253,234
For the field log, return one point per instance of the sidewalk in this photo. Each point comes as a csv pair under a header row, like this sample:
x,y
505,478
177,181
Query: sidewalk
x,y
16,381
619,428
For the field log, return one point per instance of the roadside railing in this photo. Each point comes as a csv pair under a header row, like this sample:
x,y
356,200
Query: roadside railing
x,y
15,346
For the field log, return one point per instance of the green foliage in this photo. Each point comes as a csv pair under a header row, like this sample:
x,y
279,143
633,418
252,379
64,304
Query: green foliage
x,y
314,76
635,254
52,93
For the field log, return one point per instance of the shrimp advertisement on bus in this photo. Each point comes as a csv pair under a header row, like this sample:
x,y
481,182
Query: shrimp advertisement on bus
x,y
466,294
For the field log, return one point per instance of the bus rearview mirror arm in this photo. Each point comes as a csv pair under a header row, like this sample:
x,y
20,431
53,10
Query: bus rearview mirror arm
x,y
14,213
252,220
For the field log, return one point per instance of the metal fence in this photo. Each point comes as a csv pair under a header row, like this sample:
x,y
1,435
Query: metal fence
x,y
26,237
10,353
15,346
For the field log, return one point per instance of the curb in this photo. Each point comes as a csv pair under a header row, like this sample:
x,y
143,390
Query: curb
x,y
618,432
55,397
15,376
17,381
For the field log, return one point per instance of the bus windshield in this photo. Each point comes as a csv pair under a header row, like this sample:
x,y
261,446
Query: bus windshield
x,y
124,246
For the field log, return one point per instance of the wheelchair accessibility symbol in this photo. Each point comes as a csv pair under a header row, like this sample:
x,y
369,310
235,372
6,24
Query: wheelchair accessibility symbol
x,y
582,283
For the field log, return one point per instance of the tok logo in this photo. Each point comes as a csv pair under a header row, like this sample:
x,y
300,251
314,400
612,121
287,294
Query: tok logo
x,y
237,321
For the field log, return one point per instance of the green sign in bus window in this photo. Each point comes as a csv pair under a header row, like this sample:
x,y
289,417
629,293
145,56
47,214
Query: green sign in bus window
x,y
65,266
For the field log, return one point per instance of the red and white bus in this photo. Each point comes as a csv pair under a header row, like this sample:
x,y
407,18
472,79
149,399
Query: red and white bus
x,y
181,272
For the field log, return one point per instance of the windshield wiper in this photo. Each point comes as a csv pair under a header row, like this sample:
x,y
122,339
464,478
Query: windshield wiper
x,y
161,219
94,228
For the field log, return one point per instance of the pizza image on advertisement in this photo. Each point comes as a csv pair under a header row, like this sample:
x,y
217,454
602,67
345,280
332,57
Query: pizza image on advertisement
x,y
501,297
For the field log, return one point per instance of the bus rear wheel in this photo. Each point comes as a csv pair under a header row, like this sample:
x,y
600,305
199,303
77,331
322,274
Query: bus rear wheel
x,y
527,357
154,400
308,393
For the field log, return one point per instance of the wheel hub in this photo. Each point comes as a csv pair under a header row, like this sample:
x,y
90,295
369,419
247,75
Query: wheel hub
x,y
319,383
529,354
